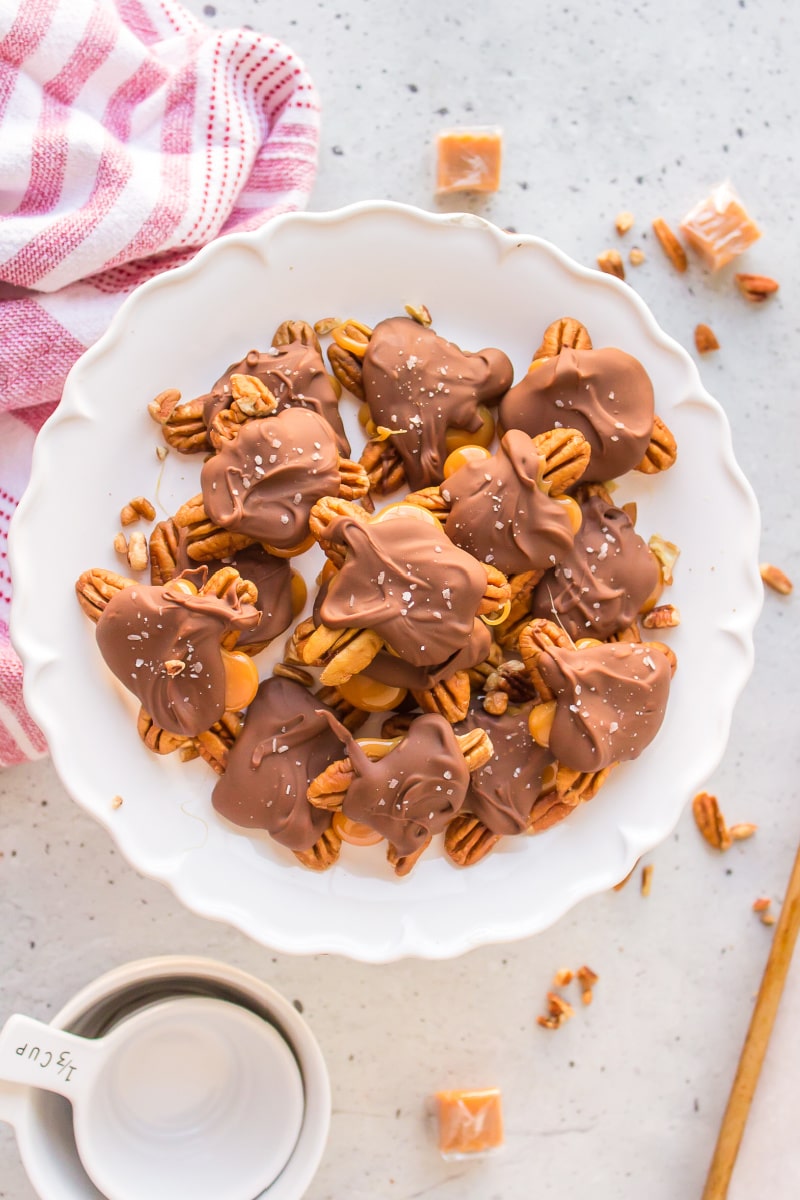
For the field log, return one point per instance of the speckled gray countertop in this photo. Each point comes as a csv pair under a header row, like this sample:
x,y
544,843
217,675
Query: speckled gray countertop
x,y
604,108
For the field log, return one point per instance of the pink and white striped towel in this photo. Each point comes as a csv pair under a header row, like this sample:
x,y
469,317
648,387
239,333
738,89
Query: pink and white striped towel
x,y
130,135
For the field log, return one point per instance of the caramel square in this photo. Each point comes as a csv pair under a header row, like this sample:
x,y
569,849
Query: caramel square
x,y
719,227
468,160
470,1123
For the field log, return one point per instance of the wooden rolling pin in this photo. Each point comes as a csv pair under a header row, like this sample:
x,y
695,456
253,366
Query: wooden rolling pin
x,y
755,1044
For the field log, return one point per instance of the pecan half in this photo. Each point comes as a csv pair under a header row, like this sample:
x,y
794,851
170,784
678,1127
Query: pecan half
x,y
164,550
467,840
519,614
329,788
404,863
547,811
323,853
431,499
181,424
511,678
710,821
576,787
565,454
564,334
347,368
476,747
450,698
353,480
341,652
96,587
662,450
298,331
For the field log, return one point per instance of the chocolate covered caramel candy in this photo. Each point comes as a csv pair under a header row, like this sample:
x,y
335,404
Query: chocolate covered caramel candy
x,y
271,577
500,514
414,790
418,385
286,740
610,701
164,645
265,481
295,374
503,791
605,394
600,585
407,581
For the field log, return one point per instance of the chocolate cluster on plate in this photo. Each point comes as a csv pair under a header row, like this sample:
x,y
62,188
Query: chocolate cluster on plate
x,y
491,619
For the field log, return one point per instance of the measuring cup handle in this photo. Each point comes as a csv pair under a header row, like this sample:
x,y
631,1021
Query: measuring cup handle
x,y
34,1053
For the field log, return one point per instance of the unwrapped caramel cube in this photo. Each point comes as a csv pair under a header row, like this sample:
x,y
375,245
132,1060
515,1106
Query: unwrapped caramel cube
x,y
719,228
470,1123
468,160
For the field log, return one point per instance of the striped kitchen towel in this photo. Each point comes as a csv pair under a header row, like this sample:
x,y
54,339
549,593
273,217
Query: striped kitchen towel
x,y
130,135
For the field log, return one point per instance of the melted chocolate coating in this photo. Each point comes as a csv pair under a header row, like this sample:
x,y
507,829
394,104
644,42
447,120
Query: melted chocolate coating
x,y
415,790
611,701
605,394
144,626
296,376
265,481
286,740
416,381
406,580
499,514
502,792
601,584
272,578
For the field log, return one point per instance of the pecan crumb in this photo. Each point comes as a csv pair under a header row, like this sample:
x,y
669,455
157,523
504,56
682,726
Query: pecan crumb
x,y
121,544
610,261
161,453
742,831
137,552
768,918
670,244
326,325
710,821
558,1011
647,879
663,616
495,703
756,288
116,802
562,977
761,904
774,577
419,313
623,222
636,256
587,978
705,339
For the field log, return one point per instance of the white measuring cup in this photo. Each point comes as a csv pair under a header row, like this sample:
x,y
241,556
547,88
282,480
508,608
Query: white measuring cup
x,y
188,1097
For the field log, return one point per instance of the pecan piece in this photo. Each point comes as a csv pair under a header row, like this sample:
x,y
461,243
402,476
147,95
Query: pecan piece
x,y
213,745
205,540
287,670
298,331
511,678
495,703
610,262
756,288
96,587
159,740
295,645
537,637
329,788
164,552
662,450
576,787
347,369
467,840
705,339
623,222
323,853
226,578
383,465
522,588
498,591
342,652
710,821
431,499
564,334
776,579
140,506
181,424
404,863
476,747
397,725
353,480
547,811
565,454
558,1011
450,698
351,717
137,551
663,616
670,244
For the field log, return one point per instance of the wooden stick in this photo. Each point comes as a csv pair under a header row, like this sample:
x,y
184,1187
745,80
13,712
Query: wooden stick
x,y
755,1045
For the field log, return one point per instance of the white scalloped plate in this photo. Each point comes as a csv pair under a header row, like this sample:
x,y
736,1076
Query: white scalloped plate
x,y
484,287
